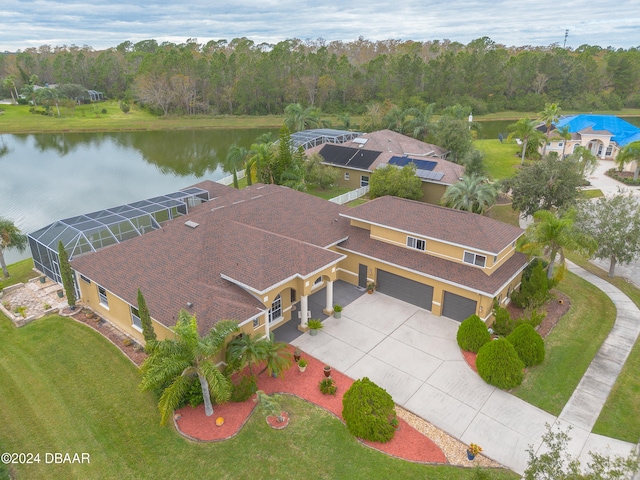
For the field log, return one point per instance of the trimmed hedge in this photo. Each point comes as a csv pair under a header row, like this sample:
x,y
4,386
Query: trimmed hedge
x,y
367,410
528,344
498,364
472,334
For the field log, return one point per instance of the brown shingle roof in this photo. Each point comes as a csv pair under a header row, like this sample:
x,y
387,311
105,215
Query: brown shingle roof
x,y
430,221
457,273
258,236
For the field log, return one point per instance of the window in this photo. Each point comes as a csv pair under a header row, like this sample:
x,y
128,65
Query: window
x,y
561,144
82,277
364,181
256,322
102,293
609,150
275,312
416,243
317,282
135,318
346,175
474,259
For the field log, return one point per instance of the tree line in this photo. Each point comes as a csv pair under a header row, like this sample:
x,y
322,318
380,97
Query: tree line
x,y
242,77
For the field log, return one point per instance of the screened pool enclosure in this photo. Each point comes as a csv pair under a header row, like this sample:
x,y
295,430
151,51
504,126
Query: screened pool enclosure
x,y
92,231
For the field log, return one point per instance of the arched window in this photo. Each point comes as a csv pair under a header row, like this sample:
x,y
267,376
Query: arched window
x,y
275,312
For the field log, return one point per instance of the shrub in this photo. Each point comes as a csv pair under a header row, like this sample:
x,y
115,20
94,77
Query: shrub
x,y
498,364
472,334
528,344
104,111
534,290
193,396
534,319
366,409
502,323
244,389
127,342
328,386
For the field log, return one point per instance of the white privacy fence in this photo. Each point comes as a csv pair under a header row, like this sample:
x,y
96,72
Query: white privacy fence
x,y
229,180
349,196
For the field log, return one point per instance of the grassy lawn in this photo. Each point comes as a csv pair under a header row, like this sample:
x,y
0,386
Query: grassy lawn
x,y
591,193
19,272
63,388
620,417
570,346
501,159
513,115
327,194
505,214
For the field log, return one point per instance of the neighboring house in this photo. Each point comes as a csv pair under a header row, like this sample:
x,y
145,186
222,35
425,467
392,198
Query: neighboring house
x,y
357,158
603,135
256,255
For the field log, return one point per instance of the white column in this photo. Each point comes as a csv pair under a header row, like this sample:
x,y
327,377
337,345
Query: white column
x,y
266,323
329,296
304,305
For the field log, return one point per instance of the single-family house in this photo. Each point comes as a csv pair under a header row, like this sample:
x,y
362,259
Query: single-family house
x,y
603,135
256,255
357,158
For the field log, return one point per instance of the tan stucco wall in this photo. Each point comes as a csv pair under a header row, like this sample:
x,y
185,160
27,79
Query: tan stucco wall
x,y
118,312
354,178
432,192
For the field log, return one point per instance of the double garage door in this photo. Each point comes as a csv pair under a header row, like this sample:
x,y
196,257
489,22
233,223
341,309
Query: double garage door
x,y
454,306
404,289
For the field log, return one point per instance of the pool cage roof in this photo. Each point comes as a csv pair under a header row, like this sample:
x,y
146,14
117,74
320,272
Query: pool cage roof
x,y
310,138
93,231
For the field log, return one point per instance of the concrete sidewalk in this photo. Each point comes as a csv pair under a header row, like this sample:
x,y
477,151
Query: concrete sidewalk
x,y
414,355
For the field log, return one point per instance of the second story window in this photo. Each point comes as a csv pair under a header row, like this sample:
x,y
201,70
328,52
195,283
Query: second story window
x,y
416,243
475,259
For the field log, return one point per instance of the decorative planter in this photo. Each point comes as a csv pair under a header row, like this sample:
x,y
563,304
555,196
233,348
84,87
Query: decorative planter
x,y
219,421
275,423
337,314
60,293
369,292
302,369
43,279
296,355
470,455
313,332
327,371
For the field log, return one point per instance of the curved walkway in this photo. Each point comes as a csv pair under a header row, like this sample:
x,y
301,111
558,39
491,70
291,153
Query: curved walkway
x,y
414,355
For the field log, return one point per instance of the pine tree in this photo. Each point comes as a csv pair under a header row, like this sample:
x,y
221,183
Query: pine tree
x,y
67,276
147,327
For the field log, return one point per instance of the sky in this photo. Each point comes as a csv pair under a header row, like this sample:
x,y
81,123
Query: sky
x,y
103,24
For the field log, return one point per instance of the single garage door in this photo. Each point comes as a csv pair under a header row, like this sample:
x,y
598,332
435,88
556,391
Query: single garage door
x,y
404,289
457,307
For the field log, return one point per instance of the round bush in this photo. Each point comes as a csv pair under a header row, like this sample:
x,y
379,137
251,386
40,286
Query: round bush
x,y
367,410
498,364
528,344
472,334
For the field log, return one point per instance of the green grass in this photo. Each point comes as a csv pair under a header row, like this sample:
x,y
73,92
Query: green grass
x,y
19,272
505,214
591,193
620,417
570,347
63,388
328,193
516,115
501,159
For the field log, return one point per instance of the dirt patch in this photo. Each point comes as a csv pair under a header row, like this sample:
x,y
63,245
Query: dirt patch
x,y
555,309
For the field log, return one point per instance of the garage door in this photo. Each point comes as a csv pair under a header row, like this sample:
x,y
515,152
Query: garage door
x,y
457,307
404,289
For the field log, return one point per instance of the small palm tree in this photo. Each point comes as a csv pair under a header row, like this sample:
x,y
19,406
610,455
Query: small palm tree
x,y
246,351
421,122
174,363
563,134
299,118
628,154
10,237
550,115
471,193
525,130
258,160
553,233
236,158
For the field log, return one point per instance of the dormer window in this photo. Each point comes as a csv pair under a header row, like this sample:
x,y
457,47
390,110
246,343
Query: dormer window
x,y
416,243
475,259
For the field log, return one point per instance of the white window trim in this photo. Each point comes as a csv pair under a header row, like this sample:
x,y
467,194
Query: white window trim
x,y
279,318
362,177
346,175
102,296
475,256
133,323
413,242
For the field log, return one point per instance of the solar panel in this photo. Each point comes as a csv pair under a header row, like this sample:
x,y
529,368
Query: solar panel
x,y
427,175
420,164
348,157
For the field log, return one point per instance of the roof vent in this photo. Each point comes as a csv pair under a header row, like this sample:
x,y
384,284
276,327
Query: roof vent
x,y
191,224
189,304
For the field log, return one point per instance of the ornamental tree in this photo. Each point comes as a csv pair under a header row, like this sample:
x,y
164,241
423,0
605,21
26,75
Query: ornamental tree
x,y
67,276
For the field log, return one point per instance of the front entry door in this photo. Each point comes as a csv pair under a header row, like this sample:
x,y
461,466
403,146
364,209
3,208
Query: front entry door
x,y
362,275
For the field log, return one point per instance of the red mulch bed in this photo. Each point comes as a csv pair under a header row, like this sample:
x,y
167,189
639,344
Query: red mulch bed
x,y
407,443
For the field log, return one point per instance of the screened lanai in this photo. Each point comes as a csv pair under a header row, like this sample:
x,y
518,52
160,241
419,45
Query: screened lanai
x,y
92,231
310,138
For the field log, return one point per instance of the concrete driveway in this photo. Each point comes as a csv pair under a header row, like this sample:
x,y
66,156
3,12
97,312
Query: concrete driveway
x,y
415,357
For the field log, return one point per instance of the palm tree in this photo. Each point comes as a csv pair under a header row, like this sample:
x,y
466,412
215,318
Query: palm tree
x,y
395,119
554,234
472,193
10,237
628,154
174,363
563,134
245,351
277,357
258,161
236,158
550,115
421,124
526,131
298,118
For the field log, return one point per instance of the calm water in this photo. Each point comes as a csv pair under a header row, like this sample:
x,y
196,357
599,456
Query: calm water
x,y
46,177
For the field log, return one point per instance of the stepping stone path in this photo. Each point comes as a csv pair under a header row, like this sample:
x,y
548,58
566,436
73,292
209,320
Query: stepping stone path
x,y
33,295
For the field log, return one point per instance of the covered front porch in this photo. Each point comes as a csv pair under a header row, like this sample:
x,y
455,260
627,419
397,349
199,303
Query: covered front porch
x,y
343,294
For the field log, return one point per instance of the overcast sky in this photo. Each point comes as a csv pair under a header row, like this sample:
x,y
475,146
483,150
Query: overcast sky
x,y
107,23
